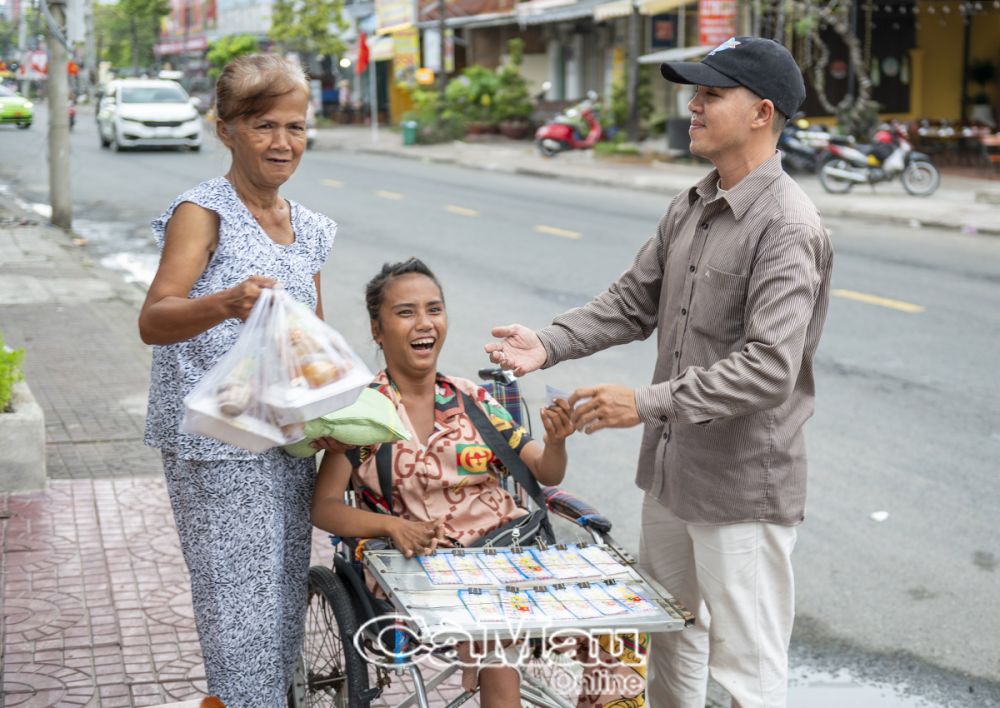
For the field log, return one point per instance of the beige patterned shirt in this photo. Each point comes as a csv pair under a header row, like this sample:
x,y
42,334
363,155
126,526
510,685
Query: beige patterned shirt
x,y
737,289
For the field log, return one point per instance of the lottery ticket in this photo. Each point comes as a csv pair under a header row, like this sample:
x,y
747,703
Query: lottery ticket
x,y
635,602
469,571
598,596
483,607
572,600
602,560
566,564
518,605
439,570
529,566
550,606
502,567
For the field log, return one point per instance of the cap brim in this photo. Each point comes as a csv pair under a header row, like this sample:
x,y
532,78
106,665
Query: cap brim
x,y
697,73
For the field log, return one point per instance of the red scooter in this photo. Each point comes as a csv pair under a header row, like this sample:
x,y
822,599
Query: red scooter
x,y
561,132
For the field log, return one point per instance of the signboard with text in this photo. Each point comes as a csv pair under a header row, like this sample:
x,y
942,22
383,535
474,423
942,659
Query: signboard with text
x,y
716,21
394,15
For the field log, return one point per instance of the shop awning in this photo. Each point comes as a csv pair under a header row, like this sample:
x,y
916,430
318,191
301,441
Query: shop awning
x,y
623,8
486,19
540,12
677,54
612,10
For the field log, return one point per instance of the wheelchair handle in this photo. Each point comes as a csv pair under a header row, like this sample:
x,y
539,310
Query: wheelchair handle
x,y
498,375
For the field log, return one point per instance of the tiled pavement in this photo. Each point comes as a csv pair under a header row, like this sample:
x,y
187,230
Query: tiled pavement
x,y
93,590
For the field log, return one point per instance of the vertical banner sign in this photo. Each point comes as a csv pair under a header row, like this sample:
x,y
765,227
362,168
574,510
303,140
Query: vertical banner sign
x,y
394,15
716,21
406,54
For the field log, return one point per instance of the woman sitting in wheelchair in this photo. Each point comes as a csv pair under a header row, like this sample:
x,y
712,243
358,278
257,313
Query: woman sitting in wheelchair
x,y
444,490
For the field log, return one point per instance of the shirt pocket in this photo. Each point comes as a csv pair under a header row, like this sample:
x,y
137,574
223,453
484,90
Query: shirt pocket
x,y
717,305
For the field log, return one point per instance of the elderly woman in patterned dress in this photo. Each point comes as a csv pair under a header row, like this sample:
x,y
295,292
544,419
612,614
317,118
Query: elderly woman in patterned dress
x,y
243,518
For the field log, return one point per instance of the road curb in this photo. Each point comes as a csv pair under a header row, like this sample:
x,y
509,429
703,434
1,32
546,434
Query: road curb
x,y
841,213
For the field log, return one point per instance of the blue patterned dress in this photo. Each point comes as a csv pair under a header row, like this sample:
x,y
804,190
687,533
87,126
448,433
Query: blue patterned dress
x,y
242,518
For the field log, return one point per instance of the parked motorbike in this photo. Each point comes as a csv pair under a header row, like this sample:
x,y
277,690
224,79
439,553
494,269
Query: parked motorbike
x,y
802,146
890,155
561,132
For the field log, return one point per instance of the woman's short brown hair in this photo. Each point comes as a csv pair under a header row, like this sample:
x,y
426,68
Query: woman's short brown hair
x,y
249,85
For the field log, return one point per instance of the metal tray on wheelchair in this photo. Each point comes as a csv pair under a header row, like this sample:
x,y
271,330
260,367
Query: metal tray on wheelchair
x,y
453,608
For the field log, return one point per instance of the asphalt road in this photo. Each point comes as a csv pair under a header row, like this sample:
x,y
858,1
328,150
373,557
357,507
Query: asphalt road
x,y
907,422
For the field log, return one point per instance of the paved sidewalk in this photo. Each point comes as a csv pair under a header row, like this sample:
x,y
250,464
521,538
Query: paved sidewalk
x,y
93,589
954,205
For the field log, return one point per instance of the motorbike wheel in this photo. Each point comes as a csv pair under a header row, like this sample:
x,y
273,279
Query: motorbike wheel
x,y
920,178
833,184
546,150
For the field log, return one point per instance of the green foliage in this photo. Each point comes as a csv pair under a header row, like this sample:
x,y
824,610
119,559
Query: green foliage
x,y
470,96
308,26
225,49
127,31
616,147
619,100
10,372
435,123
8,38
512,100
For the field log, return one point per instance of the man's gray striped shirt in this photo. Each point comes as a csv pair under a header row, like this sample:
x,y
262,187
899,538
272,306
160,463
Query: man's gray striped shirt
x,y
737,289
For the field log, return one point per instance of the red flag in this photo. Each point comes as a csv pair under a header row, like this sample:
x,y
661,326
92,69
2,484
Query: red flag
x,y
362,63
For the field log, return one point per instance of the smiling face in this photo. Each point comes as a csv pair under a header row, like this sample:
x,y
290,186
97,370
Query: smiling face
x,y
267,148
411,325
722,120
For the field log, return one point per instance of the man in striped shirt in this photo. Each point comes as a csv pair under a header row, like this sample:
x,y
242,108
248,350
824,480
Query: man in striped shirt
x,y
735,284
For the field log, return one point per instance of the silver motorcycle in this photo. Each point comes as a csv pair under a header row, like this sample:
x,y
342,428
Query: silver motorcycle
x,y
889,156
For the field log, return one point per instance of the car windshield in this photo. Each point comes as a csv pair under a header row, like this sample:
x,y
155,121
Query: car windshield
x,y
153,94
6,92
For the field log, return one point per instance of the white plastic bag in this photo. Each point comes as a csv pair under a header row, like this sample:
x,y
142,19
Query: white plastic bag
x,y
286,367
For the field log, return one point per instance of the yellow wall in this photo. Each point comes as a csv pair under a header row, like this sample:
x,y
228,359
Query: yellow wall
x,y
941,36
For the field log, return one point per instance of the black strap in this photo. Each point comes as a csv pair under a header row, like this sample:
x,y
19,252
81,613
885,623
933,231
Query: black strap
x,y
510,459
383,465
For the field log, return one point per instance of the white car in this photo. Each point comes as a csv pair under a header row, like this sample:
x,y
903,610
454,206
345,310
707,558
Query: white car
x,y
148,113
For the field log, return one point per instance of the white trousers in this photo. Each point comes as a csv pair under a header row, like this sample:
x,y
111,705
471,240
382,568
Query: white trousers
x,y
737,580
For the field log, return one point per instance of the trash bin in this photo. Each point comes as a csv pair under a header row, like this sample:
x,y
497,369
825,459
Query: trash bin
x,y
409,132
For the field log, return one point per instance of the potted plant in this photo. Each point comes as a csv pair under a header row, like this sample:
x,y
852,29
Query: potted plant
x,y
512,103
22,427
471,97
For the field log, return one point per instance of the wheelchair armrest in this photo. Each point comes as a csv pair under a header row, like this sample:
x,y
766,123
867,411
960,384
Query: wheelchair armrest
x,y
575,509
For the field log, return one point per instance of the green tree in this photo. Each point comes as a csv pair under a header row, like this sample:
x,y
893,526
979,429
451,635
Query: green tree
x,y
512,101
225,49
310,27
8,38
128,30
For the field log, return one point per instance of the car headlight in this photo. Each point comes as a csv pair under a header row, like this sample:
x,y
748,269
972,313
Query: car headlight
x,y
29,104
123,119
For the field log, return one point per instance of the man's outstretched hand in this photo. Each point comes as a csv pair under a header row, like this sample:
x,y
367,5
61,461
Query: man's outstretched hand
x,y
519,349
604,406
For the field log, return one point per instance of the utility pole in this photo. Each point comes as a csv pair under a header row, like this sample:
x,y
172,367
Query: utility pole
x,y
59,191
89,49
22,44
632,73
442,28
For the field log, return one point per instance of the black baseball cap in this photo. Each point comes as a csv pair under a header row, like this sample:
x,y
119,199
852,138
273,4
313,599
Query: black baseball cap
x,y
761,65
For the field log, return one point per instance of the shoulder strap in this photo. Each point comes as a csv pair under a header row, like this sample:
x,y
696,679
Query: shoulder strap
x,y
510,459
383,465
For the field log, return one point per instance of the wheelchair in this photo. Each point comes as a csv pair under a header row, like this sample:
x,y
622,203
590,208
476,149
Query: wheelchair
x,y
332,673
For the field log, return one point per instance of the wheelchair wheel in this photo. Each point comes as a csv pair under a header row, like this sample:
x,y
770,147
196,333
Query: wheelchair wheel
x,y
332,674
